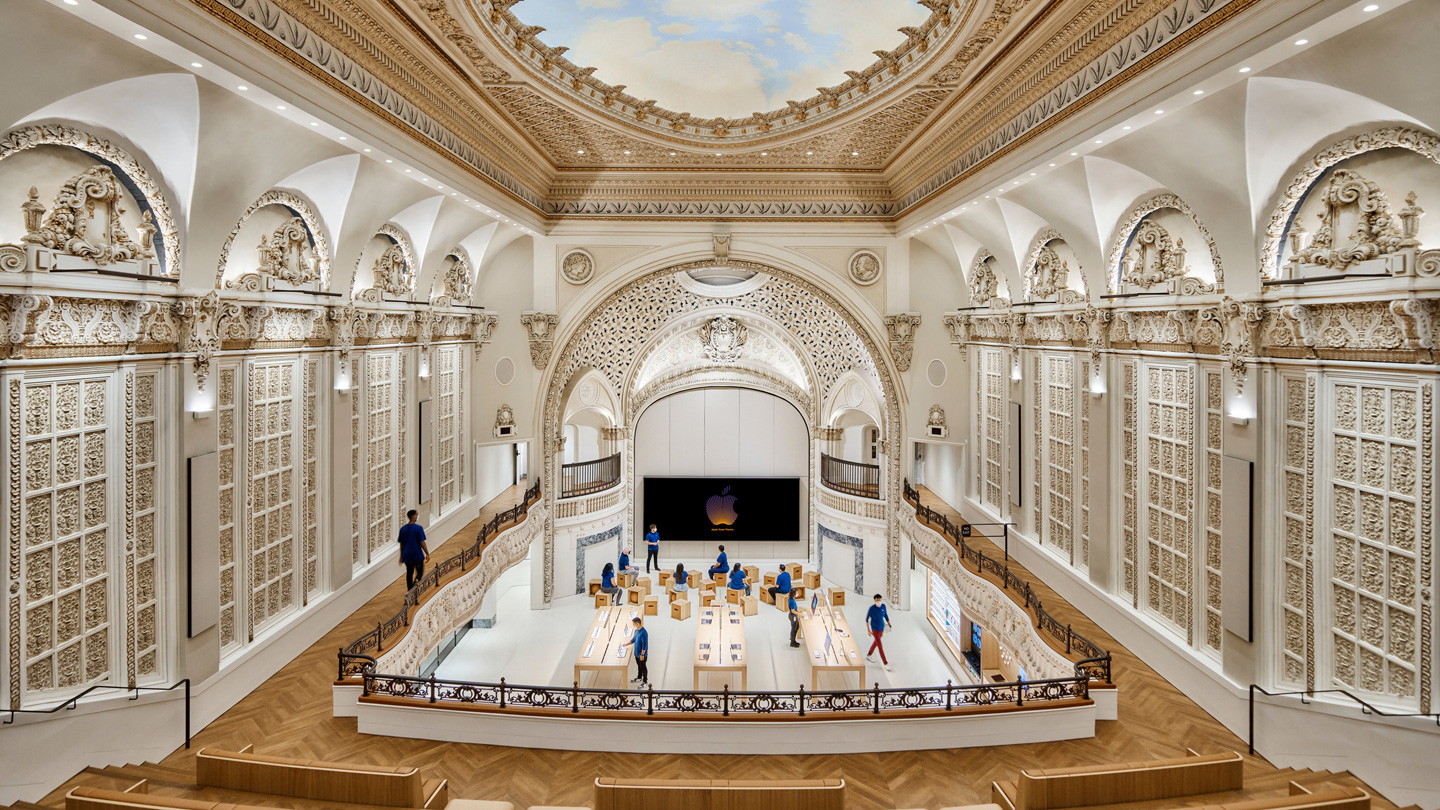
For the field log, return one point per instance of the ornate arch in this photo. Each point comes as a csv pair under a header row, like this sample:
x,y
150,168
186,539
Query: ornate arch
x,y
458,282
610,337
1421,143
1033,260
982,281
302,208
782,344
1132,221
400,239
18,140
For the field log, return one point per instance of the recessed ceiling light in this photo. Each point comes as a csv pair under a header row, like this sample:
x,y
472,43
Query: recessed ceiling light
x,y
425,179
1127,128
1032,174
242,87
342,137
627,151
987,196
672,154
1198,93
407,171
387,160
314,124
717,154
1097,140
1371,7
367,150
1052,165
1073,154
467,199
579,151
141,36
1159,112
809,153
854,154
192,64
1302,42
1245,70
279,106
453,194
762,154
72,2
438,186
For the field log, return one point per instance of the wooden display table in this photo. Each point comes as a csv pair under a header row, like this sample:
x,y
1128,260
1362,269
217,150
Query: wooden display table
x,y
829,644
720,644
600,651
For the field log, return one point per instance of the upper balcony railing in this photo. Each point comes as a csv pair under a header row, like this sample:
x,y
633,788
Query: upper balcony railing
x,y
589,477
850,477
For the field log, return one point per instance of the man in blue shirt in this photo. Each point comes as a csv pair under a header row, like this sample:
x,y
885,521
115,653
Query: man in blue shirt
x,y
782,583
876,618
737,580
413,551
794,621
625,566
641,639
652,548
721,565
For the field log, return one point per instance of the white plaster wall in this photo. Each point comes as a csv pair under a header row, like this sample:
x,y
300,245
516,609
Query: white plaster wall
x,y
722,431
494,470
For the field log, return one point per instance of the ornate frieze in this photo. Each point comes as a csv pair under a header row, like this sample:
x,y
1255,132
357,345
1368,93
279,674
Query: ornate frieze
x,y
540,328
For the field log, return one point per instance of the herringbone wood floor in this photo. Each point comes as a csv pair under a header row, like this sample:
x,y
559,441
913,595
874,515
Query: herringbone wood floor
x,y
289,715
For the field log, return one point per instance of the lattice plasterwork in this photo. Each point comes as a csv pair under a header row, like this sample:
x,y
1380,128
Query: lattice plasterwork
x,y
767,345
1421,143
1297,457
1212,632
18,140
1132,220
1168,464
302,209
142,548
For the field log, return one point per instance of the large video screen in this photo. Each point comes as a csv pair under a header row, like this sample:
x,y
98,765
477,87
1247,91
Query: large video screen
x,y
722,509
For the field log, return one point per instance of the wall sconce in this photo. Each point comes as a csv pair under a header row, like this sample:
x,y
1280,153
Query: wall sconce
x,y
205,414
1015,373
1097,383
1241,409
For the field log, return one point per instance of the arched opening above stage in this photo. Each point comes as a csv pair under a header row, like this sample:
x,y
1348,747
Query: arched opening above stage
x,y
753,443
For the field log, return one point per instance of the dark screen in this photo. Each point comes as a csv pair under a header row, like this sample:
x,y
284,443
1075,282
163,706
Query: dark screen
x,y
722,509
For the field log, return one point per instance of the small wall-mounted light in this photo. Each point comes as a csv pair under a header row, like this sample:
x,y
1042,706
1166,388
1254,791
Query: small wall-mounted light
x,y
1238,420
205,414
1015,372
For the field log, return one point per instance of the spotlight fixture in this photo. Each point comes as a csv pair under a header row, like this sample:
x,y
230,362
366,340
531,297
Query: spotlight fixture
x,y
1098,141
627,151
343,138
809,153
141,36
367,150
314,123
1302,42
1245,70
387,160
1052,165
1198,93
72,2
1159,112
579,151
192,64
854,154
1073,154
1127,128
1371,7
279,106
762,154
242,87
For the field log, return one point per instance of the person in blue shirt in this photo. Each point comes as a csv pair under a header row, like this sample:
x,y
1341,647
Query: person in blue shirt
x,y
652,548
721,565
640,638
782,583
625,566
876,618
413,551
682,579
607,585
737,580
794,621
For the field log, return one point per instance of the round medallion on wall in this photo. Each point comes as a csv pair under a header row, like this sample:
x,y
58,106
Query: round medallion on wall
x,y
864,267
935,373
505,371
577,266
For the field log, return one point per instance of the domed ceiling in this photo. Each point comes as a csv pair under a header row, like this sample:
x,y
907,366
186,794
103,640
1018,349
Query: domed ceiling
x,y
724,109
725,58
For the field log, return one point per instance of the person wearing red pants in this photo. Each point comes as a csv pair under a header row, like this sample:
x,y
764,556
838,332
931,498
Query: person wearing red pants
x,y
877,617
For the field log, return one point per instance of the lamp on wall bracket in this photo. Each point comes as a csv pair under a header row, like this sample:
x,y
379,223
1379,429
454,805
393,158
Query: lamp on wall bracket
x,y
1240,405
1016,374
1097,381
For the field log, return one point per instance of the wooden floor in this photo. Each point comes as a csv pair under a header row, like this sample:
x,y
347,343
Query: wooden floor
x,y
289,715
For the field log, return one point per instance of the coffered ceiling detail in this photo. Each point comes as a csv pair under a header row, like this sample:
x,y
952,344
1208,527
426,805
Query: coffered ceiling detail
x,y
469,81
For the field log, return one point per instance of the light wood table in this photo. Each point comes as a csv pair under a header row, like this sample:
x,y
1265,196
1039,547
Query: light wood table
x,y
723,640
600,651
830,644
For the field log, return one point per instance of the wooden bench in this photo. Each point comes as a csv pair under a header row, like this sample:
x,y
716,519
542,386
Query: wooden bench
x,y
1116,783
718,794
314,779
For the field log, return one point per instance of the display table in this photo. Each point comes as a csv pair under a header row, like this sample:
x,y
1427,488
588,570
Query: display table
x,y
720,644
600,651
829,644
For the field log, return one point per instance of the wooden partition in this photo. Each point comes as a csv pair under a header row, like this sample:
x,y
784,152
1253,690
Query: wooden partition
x,y
93,798
1334,798
313,779
1058,788
718,794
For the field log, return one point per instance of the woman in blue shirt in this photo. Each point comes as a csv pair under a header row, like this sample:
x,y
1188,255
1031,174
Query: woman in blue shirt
x,y
607,585
737,580
682,579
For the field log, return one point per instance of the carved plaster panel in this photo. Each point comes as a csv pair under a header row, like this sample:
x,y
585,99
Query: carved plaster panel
x,y
1133,221
864,267
901,329
540,327
577,266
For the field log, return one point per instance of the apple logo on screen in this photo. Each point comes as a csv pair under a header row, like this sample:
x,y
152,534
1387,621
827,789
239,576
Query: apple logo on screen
x,y
721,508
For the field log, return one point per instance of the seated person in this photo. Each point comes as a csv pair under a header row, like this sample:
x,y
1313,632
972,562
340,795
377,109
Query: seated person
x,y
625,566
782,583
721,565
737,580
682,579
607,585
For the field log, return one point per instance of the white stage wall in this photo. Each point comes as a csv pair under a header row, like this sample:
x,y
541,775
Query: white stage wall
x,y
722,431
